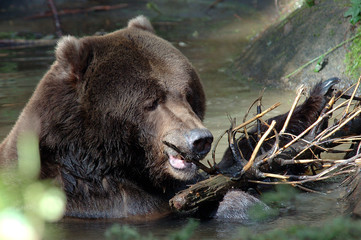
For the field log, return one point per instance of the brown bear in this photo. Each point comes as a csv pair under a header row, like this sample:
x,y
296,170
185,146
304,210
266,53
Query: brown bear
x,y
119,117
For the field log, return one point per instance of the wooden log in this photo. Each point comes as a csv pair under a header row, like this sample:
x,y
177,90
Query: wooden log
x,y
79,11
17,43
211,189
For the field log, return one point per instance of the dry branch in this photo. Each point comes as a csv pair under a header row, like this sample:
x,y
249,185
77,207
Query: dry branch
x,y
302,150
211,189
295,102
258,146
54,11
79,10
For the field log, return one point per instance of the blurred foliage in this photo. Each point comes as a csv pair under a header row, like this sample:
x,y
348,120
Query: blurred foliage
x,y
8,67
258,213
7,35
310,3
27,203
354,11
125,232
342,228
283,197
20,35
353,58
186,232
336,229
154,7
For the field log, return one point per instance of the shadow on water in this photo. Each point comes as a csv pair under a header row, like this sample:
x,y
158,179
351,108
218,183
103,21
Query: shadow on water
x,y
211,40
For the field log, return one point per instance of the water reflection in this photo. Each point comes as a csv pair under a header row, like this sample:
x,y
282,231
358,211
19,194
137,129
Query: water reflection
x,y
20,71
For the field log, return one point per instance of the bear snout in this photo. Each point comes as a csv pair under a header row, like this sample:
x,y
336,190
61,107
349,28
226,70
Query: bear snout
x,y
199,141
183,148
193,144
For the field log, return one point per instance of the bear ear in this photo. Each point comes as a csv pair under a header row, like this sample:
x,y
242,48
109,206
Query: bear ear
x,y
141,22
73,55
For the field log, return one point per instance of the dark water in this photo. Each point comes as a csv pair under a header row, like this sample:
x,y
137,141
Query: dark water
x,y
307,209
212,51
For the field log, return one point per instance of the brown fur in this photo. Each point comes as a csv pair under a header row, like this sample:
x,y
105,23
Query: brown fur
x,y
102,113
107,114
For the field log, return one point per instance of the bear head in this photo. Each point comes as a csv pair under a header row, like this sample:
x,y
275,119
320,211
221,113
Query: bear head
x,y
126,103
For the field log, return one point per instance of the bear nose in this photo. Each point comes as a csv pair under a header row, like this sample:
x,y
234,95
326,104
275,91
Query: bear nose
x,y
200,140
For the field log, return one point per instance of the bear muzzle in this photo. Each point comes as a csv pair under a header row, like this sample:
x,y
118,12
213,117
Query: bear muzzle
x,y
182,149
199,141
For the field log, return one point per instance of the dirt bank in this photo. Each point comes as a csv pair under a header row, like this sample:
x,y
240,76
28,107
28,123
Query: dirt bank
x,y
306,34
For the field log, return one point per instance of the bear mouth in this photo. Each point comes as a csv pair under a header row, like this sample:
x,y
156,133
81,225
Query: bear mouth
x,y
177,159
179,163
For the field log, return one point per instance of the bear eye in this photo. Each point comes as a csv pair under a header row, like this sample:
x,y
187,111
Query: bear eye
x,y
151,106
189,98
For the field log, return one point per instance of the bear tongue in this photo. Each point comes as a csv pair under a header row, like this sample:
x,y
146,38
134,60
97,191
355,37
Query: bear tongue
x,y
179,163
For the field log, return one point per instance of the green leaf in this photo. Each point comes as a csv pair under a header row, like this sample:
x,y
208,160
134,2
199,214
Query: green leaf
x,y
319,64
28,155
354,11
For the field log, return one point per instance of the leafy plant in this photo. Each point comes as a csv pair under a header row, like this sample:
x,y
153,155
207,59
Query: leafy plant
x,y
354,11
320,64
117,232
8,67
282,197
336,229
186,232
26,203
353,58
310,3
7,35
125,233
154,7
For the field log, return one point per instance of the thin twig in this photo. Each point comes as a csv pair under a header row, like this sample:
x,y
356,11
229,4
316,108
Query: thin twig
x,y
52,6
259,144
342,124
245,119
352,96
300,90
256,117
216,145
200,165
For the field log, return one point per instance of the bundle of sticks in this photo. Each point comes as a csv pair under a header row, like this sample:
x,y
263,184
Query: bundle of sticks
x,y
301,152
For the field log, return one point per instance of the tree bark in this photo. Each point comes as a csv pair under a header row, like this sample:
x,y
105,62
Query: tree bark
x,y
211,189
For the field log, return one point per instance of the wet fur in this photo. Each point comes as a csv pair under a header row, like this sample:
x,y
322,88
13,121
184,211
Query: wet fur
x,y
101,139
101,112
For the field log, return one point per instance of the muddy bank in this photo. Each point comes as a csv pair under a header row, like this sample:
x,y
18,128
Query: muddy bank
x,y
306,34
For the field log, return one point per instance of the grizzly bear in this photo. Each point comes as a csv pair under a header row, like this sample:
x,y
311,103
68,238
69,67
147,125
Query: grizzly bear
x,y
119,122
